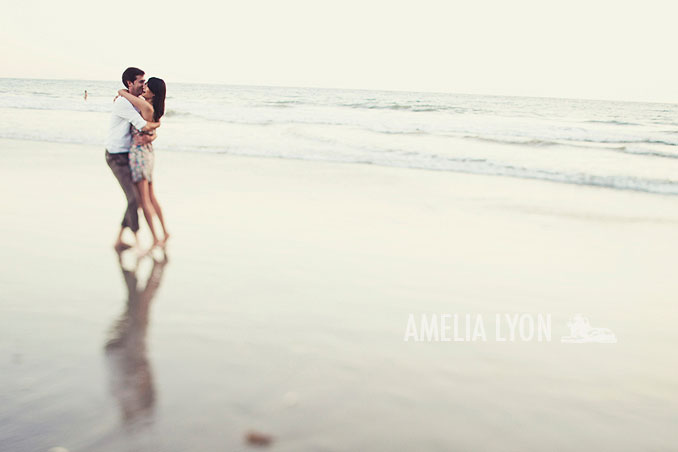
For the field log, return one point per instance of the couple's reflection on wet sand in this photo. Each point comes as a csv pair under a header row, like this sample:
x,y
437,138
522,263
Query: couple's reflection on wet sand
x,y
130,373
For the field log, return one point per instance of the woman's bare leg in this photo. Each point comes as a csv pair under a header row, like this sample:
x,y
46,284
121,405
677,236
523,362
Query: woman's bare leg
x,y
158,211
147,207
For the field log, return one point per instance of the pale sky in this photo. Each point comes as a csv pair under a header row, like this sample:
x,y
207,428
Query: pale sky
x,y
583,49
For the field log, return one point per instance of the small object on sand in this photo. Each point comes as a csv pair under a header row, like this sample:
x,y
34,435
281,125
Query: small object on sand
x,y
258,439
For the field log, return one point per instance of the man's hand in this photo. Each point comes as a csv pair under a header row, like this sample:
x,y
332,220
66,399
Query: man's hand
x,y
143,139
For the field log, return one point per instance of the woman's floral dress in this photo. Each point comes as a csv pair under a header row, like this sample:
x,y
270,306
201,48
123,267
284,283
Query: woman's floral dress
x,y
141,159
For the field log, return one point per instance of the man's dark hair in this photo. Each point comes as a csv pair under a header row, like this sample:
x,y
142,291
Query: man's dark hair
x,y
130,75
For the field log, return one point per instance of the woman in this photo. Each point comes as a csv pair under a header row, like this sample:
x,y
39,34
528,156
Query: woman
x,y
141,156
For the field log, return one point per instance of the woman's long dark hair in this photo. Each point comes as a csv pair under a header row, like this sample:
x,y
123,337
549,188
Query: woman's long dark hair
x,y
158,88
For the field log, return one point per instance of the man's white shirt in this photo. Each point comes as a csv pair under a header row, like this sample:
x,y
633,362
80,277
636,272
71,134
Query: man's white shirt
x,y
119,137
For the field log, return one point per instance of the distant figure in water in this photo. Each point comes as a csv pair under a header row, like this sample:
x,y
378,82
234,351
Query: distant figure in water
x,y
85,95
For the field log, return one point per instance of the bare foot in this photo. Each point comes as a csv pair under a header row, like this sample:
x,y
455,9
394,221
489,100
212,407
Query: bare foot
x,y
156,244
143,253
121,246
163,242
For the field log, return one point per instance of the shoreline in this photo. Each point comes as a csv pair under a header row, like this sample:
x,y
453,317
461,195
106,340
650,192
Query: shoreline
x,y
13,141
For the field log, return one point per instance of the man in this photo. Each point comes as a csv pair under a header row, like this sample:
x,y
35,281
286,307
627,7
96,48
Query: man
x,y
118,145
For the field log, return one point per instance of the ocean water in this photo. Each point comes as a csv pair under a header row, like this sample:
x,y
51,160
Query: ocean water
x,y
283,303
619,145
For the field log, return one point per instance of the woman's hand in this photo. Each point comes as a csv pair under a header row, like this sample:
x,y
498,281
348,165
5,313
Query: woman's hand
x,y
120,91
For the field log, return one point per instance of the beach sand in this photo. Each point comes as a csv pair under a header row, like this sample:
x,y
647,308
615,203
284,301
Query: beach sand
x,y
283,307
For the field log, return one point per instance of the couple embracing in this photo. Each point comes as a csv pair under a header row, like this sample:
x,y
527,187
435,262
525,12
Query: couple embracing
x,y
129,150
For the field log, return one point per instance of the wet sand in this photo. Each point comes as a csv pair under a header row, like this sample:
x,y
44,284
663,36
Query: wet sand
x,y
282,308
